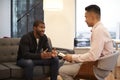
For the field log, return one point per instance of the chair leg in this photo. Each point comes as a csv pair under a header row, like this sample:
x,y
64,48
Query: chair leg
x,y
115,73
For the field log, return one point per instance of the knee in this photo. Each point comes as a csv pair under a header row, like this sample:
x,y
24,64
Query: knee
x,y
55,60
29,63
61,70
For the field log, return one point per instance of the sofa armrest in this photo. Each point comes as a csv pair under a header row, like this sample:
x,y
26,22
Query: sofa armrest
x,y
64,50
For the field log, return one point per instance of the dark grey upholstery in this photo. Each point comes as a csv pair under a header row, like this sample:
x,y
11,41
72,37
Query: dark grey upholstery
x,y
4,72
15,71
8,55
8,49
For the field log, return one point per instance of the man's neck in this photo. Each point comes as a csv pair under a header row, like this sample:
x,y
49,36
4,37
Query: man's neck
x,y
36,36
96,21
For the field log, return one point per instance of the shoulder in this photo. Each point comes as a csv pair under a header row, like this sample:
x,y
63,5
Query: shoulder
x,y
44,36
99,28
27,36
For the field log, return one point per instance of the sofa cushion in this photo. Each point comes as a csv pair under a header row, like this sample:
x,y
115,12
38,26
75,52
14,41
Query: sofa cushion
x,y
9,41
41,71
8,49
8,53
15,71
4,72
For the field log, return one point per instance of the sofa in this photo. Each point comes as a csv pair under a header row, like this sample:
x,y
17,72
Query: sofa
x,y
8,55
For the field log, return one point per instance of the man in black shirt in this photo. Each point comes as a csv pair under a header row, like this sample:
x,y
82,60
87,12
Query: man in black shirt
x,y
35,50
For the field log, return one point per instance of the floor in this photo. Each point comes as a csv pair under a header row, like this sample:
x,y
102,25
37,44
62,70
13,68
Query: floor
x,y
118,73
110,77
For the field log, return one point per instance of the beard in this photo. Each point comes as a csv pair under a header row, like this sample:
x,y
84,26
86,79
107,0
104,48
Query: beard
x,y
40,33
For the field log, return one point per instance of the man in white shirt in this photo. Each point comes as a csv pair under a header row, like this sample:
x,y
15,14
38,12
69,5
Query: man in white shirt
x,y
101,44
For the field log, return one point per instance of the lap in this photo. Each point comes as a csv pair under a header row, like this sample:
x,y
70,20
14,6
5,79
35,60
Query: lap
x,y
70,68
25,62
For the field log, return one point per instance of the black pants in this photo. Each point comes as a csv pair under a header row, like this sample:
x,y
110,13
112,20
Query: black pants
x,y
28,65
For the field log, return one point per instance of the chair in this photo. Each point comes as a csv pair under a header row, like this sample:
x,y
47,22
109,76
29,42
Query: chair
x,y
97,70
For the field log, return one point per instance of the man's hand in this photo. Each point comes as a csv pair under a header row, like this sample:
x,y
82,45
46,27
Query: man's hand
x,y
68,58
54,53
46,55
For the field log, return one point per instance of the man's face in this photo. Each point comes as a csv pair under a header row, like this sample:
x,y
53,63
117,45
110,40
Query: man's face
x,y
40,29
89,16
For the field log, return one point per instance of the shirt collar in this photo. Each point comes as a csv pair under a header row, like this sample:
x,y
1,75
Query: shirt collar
x,y
95,25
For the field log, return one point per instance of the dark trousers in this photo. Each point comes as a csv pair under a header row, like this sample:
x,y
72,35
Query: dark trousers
x,y
28,65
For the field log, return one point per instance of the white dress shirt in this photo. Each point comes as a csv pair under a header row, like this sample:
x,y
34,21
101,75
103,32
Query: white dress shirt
x,y
101,44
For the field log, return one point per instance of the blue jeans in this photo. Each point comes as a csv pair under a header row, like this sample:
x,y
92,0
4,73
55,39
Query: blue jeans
x,y
28,65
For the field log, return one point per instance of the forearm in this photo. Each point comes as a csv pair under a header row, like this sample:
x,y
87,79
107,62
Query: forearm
x,y
28,55
83,57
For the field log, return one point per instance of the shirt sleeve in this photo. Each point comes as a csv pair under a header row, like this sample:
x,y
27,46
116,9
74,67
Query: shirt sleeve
x,y
47,44
97,44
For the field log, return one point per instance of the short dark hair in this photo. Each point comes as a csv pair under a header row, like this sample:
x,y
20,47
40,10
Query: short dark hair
x,y
37,22
93,8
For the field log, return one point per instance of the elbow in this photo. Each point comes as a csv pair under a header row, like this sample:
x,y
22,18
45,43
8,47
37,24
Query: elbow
x,y
94,58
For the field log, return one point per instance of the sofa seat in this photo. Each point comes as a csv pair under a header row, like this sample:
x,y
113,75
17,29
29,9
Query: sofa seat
x,y
11,70
4,72
8,56
17,72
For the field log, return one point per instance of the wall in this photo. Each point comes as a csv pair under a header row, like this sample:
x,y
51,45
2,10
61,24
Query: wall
x,y
60,25
5,16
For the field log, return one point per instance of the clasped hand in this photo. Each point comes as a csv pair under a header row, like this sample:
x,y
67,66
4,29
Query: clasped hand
x,y
48,55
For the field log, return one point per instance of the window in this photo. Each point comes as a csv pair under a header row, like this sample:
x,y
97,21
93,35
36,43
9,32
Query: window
x,y
24,12
110,17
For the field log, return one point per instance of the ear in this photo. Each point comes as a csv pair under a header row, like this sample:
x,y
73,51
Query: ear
x,y
93,16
